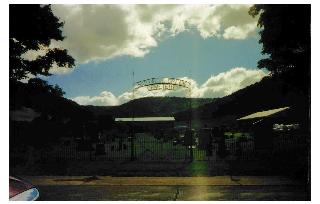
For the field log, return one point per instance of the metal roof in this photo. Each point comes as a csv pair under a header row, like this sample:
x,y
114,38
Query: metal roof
x,y
145,119
262,114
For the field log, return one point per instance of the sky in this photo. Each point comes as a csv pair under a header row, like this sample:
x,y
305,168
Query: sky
x,y
215,47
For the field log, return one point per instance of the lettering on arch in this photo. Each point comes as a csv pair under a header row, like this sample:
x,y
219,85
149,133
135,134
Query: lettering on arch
x,y
153,84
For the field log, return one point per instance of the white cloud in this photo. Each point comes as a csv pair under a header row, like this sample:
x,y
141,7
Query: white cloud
x,y
105,31
55,69
239,32
105,98
33,54
219,85
226,83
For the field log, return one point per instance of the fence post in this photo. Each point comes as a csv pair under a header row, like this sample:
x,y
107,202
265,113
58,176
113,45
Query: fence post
x,y
191,153
132,146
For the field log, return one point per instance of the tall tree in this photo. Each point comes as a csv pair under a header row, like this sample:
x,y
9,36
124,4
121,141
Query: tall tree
x,y
39,85
286,39
32,27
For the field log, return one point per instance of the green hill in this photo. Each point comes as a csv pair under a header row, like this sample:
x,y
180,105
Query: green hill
x,y
44,102
52,117
150,106
267,94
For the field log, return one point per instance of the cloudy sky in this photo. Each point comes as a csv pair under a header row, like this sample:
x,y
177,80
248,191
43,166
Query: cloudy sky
x,y
215,47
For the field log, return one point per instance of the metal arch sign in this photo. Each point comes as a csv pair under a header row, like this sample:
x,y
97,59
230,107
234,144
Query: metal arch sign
x,y
153,84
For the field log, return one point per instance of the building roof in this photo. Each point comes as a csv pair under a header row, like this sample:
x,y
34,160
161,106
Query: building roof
x,y
145,119
263,114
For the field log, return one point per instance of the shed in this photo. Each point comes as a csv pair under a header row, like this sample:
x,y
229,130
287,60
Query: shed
x,y
261,124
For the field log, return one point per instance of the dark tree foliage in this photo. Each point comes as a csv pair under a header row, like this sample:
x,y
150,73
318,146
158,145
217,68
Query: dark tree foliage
x,y
42,86
32,27
286,39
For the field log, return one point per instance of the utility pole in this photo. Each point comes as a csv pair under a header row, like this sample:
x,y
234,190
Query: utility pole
x,y
132,157
190,125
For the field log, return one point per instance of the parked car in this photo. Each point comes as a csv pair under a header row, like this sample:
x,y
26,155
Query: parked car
x,y
21,190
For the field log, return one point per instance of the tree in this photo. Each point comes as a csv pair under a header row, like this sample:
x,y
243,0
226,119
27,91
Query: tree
x,y
33,27
57,90
39,85
286,39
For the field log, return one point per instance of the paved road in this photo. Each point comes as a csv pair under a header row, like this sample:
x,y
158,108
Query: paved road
x,y
164,193
169,188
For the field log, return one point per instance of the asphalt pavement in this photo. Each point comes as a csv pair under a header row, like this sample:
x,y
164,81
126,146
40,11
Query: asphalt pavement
x,y
107,188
